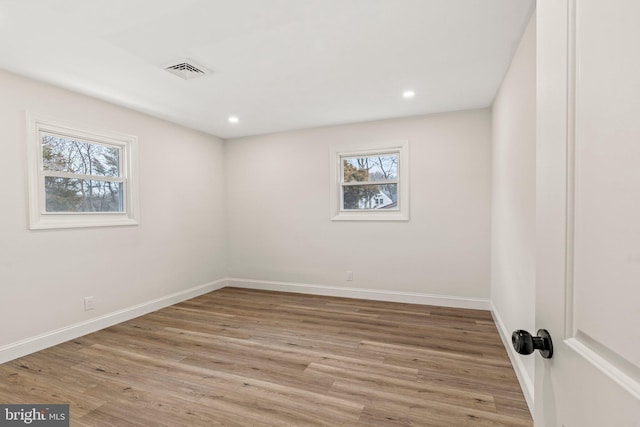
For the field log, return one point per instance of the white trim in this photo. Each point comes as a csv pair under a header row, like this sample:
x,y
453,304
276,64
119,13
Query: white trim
x,y
370,294
128,146
526,382
30,345
401,213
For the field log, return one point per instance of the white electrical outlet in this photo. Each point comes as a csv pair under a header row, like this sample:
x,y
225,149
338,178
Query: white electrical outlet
x,y
88,303
349,275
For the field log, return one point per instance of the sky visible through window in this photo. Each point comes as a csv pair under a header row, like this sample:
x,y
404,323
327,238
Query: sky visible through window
x,y
94,189
381,171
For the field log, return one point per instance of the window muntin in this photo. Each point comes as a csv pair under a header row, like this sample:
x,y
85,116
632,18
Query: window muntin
x,y
370,182
80,177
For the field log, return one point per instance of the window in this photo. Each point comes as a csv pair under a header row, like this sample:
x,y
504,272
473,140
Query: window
x,y
80,177
370,183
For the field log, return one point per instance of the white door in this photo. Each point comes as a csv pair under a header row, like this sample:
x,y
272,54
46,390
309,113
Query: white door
x,y
588,212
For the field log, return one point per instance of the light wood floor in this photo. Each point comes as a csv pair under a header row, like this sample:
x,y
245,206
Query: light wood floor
x,y
239,357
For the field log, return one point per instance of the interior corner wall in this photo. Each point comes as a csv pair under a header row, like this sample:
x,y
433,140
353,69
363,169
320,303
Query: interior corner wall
x,y
179,244
278,216
514,201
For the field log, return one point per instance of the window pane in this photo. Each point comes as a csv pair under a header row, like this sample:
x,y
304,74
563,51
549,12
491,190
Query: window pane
x,y
371,168
82,195
64,154
383,196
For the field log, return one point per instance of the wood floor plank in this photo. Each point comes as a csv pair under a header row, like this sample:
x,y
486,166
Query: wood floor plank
x,y
241,357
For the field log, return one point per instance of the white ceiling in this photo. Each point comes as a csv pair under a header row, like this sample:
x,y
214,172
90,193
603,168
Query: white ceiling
x,y
276,64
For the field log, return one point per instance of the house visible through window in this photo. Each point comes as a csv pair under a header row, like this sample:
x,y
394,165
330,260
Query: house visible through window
x,y
371,184
79,177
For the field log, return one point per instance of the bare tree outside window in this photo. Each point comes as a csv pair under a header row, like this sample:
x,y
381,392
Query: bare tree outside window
x,y
370,182
81,176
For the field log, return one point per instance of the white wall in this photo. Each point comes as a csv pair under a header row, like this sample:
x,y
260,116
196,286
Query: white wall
x,y
278,216
514,201
179,244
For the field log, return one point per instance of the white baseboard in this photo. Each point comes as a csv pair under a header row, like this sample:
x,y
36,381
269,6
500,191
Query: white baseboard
x,y
370,294
526,382
58,336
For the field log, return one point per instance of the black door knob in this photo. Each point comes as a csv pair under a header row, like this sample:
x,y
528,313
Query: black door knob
x,y
524,343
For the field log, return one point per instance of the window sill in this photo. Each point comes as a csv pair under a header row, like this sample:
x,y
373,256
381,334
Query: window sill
x,y
371,216
60,222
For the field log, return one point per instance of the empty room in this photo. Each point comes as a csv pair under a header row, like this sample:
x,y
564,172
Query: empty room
x,y
320,213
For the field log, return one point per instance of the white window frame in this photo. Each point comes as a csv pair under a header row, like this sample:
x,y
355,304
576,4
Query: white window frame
x,y
128,145
337,154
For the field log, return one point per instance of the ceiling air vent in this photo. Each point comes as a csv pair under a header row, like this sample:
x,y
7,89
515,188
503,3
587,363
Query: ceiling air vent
x,y
187,69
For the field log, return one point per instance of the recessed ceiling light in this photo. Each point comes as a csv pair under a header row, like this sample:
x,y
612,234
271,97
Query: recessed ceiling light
x,y
408,94
233,119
